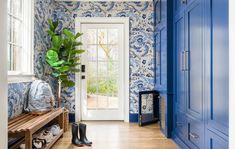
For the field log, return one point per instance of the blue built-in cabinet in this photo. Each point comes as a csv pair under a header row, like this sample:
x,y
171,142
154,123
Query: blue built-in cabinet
x,y
191,40
163,54
200,69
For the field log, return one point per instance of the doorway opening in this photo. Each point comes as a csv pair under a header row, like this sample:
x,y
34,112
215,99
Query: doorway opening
x,y
102,87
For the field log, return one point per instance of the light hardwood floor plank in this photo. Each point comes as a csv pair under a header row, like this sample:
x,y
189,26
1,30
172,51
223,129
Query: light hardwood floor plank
x,y
120,135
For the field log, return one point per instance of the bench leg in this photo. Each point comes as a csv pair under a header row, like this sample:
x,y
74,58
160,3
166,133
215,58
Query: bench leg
x,y
61,122
28,140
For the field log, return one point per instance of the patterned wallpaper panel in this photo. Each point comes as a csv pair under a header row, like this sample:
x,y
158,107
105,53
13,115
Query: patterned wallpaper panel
x,y
141,46
141,39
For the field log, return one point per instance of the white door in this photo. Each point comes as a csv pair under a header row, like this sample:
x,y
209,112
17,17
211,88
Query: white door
x,y
102,86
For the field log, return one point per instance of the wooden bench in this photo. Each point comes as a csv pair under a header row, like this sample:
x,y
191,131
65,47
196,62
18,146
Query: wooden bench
x,y
27,124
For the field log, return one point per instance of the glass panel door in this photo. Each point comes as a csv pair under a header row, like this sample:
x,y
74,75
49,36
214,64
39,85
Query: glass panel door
x,y
102,99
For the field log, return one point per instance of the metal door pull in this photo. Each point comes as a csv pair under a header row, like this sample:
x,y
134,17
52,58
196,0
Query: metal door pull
x,y
193,135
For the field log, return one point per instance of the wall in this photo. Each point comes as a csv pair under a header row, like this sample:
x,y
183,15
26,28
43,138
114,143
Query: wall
x,y
141,39
141,45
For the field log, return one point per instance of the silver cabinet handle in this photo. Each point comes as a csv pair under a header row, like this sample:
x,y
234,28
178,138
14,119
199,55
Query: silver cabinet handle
x,y
182,61
158,58
186,60
183,1
193,135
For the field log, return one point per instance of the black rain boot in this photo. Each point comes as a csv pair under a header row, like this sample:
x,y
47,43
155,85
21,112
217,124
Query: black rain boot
x,y
75,139
82,131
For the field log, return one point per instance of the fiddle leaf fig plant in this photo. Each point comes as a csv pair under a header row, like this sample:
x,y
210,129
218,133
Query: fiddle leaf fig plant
x,y
63,55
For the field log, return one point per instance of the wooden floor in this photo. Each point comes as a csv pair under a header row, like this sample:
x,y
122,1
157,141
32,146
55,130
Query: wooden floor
x,y
120,135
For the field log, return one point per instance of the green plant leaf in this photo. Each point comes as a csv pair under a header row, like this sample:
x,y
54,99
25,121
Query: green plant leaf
x,y
63,77
52,56
77,51
68,83
55,24
51,25
75,70
78,35
57,41
77,44
51,33
56,64
54,49
62,69
67,44
75,59
68,33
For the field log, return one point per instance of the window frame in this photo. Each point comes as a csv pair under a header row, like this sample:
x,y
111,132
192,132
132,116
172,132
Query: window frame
x,y
26,73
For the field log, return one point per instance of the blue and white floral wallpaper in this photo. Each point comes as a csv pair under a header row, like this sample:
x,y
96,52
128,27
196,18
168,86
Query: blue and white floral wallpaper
x,y
141,39
141,16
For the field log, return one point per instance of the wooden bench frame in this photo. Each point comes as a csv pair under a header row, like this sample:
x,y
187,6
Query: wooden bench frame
x,y
27,124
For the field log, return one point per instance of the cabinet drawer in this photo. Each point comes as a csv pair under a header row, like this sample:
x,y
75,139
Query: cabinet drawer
x,y
215,141
195,133
181,126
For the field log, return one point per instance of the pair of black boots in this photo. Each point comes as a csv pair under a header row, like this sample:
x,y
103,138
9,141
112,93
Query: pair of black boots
x,y
82,131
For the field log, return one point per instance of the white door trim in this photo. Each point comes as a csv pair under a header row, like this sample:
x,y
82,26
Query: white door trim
x,y
119,20
3,75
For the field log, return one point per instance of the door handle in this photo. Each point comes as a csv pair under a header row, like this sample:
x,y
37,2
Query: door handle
x,y
193,135
183,1
158,57
187,60
83,68
182,61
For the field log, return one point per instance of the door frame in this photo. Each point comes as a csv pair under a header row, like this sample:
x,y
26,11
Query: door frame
x,y
78,83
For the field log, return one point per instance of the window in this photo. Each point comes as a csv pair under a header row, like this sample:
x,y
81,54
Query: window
x,y
20,39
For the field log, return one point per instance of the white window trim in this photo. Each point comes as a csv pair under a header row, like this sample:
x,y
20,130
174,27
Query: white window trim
x,y
28,43
125,21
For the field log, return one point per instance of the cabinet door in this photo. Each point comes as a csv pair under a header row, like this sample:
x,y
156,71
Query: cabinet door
x,y
213,141
180,62
194,59
181,127
217,63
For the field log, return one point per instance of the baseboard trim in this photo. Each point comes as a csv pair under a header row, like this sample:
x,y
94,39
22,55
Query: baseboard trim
x,y
133,118
71,117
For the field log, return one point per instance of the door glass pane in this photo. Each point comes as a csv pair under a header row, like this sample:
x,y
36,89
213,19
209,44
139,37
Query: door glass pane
x,y
113,54
91,69
113,93
91,36
103,52
102,92
103,68
102,36
113,69
91,92
113,36
92,52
